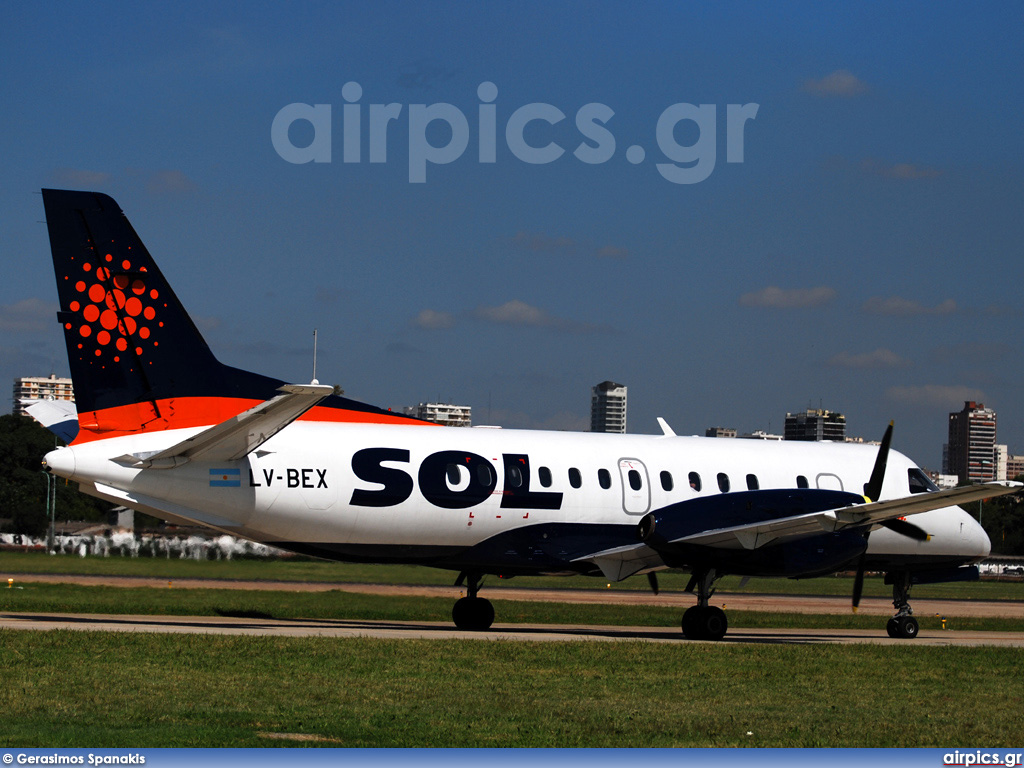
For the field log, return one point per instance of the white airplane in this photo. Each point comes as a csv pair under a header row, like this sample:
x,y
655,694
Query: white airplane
x,y
168,430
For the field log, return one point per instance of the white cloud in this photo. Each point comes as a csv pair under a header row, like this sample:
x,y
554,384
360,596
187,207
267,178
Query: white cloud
x,y
935,395
538,241
433,320
880,358
27,316
169,182
897,306
902,171
80,178
774,297
613,252
543,243
842,83
517,312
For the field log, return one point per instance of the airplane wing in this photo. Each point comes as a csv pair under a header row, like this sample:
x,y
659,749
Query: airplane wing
x,y
869,515
241,434
619,563
752,519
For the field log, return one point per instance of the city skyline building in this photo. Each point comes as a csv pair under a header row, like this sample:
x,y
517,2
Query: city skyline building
x,y
442,413
608,407
815,424
971,451
41,388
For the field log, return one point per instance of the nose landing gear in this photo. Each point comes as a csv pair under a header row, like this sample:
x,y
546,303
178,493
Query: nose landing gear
x,y
903,624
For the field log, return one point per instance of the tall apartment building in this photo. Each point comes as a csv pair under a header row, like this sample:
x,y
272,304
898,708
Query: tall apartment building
x,y
608,407
41,388
815,424
442,413
971,451
1014,467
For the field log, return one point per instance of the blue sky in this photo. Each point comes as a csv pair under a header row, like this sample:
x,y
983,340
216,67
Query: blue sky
x,y
864,256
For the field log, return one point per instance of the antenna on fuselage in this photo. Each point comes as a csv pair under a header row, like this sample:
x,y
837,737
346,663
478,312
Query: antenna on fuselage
x,y
314,381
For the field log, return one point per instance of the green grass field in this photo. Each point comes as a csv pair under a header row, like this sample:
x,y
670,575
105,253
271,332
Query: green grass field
x,y
96,689
108,690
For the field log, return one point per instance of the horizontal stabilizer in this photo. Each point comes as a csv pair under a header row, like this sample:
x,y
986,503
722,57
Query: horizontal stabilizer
x,y
242,434
58,416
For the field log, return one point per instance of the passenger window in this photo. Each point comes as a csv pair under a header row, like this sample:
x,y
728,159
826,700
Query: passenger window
x,y
604,478
634,480
723,482
483,474
515,476
695,483
920,482
457,476
544,475
801,482
752,484
575,478
666,481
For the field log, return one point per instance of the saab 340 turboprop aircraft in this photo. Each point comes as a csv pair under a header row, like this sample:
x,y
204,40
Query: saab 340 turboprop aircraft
x,y
166,429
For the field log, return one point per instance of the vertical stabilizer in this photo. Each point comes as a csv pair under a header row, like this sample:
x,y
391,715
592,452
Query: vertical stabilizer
x,y
137,360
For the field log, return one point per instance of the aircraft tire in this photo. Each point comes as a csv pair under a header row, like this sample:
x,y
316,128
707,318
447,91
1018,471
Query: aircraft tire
x,y
709,623
715,623
908,628
474,614
692,623
892,627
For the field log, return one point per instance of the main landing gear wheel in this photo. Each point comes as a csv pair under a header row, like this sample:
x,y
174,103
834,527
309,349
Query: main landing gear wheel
x,y
705,623
473,613
902,626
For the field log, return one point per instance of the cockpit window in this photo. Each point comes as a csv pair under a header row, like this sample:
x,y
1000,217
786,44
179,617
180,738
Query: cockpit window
x,y
920,482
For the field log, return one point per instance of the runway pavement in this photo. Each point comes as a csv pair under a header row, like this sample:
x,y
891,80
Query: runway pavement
x,y
269,627
266,626
731,601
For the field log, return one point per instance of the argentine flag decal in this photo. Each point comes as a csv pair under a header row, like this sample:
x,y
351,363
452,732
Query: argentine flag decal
x,y
225,478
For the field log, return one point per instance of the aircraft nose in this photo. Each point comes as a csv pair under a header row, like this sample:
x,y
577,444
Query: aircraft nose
x,y
60,462
974,538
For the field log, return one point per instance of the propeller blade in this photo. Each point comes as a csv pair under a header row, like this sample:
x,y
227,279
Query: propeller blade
x,y
858,582
873,487
915,532
652,579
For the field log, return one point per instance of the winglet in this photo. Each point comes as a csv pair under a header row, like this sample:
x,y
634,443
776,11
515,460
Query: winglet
x,y
665,428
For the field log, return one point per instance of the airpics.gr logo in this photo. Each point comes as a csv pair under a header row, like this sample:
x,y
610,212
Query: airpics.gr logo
x,y
688,163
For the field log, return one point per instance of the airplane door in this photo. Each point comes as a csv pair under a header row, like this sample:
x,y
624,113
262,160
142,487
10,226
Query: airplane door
x,y
829,482
636,487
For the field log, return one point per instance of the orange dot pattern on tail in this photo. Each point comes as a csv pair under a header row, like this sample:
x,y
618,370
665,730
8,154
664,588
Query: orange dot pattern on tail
x,y
115,312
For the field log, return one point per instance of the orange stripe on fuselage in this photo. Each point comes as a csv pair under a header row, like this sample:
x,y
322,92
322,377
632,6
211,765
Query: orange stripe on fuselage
x,y
185,412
